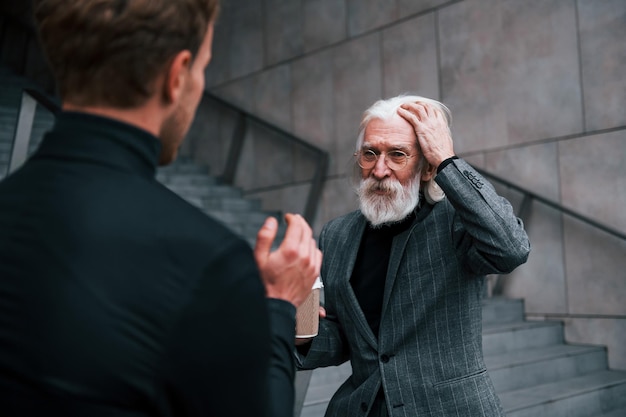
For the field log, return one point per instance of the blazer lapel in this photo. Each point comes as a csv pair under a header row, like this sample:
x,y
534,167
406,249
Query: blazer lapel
x,y
398,248
354,234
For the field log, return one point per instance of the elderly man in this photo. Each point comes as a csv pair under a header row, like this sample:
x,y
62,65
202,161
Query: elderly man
x,y
404,275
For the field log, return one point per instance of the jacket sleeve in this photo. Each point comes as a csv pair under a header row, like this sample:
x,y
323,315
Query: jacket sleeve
x,y
218,354
329,347
282,367
485,227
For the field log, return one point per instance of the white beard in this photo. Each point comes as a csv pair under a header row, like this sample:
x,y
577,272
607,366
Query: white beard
x,y
391,208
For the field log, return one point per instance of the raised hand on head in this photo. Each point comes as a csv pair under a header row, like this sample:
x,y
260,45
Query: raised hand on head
x,y
431,129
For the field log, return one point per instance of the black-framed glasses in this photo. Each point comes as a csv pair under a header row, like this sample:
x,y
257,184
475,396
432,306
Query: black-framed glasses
x,y
395,160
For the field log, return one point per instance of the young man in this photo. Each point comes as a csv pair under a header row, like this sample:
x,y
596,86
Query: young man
x,y
404,275
118,298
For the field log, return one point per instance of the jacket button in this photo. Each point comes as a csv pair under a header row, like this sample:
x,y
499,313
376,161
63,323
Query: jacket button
x,y
384,358
363,407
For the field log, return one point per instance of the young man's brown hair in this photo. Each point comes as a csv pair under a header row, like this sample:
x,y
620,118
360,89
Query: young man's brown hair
x,y
109,52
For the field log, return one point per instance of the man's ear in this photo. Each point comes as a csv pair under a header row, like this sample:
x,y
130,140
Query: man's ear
x,y
428,173
175,76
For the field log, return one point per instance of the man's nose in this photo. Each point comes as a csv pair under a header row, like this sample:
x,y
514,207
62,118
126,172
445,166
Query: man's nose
x,y
381,170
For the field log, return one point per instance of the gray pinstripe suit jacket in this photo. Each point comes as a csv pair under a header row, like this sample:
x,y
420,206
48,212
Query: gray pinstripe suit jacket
x,y
428,355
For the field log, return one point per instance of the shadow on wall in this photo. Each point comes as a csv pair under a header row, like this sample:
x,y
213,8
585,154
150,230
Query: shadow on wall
x,y
267,163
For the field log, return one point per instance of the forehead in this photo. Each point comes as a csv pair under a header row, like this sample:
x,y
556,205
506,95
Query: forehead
x,y
203,55
392,132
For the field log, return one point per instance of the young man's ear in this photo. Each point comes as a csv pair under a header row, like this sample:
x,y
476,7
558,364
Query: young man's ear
x,y
175,76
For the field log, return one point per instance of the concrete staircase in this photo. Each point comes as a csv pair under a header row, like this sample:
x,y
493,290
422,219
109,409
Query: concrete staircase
x,y
534,371
225,203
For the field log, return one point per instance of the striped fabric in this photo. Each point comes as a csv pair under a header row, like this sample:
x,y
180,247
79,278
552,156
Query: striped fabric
x,y
428,356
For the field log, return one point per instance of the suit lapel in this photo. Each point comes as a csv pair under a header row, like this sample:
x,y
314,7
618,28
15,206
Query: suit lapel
x,y
354,235
398,248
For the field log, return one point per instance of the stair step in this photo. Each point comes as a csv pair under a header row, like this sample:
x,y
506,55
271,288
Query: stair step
x,y
313,410
500,338
253,217
582,396
7,129
530,367
324,382
231,204
205,190
224,203
185,178
502,310
183,166
193,200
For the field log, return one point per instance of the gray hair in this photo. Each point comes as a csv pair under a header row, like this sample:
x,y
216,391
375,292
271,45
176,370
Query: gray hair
x,y
385,109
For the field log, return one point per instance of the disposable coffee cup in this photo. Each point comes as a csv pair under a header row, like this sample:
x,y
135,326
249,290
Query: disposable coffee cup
x,y
308,314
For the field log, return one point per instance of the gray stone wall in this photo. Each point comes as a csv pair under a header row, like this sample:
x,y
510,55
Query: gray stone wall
x,y
537,92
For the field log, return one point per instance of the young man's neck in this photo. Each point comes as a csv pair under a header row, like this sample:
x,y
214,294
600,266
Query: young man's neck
x,y
147,117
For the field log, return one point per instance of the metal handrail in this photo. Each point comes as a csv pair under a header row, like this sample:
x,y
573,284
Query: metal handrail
x,y
497,287
31,97
48,103
239,135
322,163
534,196
321,156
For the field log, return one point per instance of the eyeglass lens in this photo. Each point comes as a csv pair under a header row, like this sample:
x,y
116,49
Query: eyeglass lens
x,y
395,160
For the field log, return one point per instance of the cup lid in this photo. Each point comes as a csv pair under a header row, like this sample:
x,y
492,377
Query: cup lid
x,y
318,283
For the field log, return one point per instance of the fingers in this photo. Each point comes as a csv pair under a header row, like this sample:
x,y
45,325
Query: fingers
x,y
408,116
322,312
416,113
298,229
431,130
289,272
423,111
297,238
264,240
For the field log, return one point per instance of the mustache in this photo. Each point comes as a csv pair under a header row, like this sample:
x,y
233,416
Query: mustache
x,y
385,185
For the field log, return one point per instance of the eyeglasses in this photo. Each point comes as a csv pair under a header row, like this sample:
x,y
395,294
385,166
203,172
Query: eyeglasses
x,y
395,160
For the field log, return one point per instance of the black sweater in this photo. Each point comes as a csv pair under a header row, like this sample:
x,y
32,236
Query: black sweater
x,y
118,298
370,269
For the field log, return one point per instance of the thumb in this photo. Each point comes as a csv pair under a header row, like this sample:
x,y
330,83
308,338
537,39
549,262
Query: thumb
x,y
264,240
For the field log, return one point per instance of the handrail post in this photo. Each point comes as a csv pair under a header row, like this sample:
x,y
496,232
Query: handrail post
x,y
23,129
234,153
522,213
525,207
316,188
239,136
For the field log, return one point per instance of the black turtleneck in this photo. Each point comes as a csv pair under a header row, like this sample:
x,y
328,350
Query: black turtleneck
x,y
370,270
117,297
